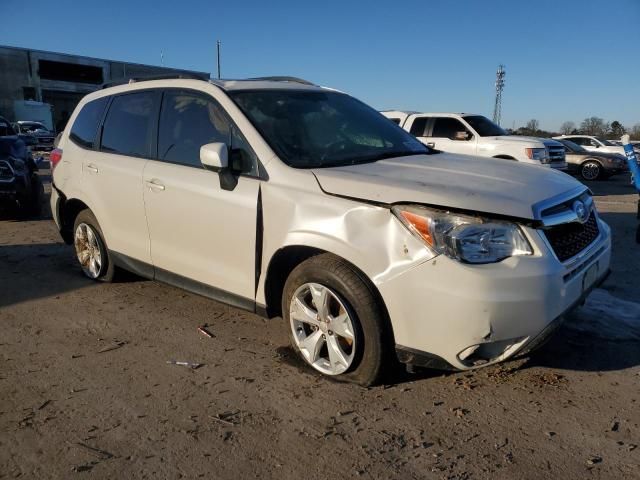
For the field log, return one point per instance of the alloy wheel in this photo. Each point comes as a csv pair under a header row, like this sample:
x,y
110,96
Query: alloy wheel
x,y
322,328
88,251
590,171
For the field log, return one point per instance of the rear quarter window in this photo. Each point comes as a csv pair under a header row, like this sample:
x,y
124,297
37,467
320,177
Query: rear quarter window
x,y
85,127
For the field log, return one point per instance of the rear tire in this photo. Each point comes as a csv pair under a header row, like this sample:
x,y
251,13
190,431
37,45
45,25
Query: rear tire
x,y
91,249
351,318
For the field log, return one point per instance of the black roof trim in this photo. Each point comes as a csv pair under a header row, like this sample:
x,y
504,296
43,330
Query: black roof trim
x,y
284,79
167,76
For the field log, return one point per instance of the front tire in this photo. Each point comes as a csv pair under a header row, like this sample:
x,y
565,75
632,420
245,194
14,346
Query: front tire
x,y
90,247
335,322
591,170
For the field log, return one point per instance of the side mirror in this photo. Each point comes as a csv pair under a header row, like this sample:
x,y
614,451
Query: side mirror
x,y
214,156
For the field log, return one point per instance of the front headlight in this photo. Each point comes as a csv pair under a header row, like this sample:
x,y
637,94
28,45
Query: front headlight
x,y
540,154
462,237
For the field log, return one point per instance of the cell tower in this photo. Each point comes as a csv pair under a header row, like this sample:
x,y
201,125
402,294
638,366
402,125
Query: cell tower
x,y
497,110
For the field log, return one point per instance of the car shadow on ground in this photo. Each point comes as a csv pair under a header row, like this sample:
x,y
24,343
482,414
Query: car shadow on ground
x,y
573,350
616,185
38,270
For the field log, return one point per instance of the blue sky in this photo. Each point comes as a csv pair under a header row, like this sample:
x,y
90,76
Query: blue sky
x,y
565,59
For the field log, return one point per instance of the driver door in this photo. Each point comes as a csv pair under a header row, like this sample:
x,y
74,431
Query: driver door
x,y
202,236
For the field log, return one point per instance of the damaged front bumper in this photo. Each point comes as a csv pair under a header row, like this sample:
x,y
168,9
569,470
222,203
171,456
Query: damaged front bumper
x,y
450,315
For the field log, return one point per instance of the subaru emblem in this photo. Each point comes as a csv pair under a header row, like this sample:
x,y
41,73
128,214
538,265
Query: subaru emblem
x,y
581,211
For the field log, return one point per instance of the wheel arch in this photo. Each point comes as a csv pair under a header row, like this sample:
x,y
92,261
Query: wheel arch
x,y
592,159
282,263
68,210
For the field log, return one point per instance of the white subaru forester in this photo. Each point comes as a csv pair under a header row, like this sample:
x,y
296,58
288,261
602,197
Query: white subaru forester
x,y
288,199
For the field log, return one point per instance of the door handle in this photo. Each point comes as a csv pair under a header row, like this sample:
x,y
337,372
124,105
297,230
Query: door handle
x,y
92,168
431,145
155,185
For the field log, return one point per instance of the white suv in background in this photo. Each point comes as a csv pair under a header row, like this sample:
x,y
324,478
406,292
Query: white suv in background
x,y
287,199
471,134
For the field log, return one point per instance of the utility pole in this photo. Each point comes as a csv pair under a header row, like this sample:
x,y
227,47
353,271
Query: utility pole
x,y
497,109
162,57
218,45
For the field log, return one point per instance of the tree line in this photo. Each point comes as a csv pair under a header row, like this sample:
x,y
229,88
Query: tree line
x,y
595,126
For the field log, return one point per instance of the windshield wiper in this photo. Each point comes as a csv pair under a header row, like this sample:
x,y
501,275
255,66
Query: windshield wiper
x,y
382,156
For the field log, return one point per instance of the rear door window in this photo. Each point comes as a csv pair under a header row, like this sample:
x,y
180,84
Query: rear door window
x,y
85,127
419,126
128,128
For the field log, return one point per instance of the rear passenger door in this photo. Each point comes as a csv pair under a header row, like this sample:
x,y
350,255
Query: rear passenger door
x,y
112,175
202,236
449,134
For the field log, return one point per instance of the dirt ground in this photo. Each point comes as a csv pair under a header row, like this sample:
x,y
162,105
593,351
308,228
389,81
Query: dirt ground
x,y
86,390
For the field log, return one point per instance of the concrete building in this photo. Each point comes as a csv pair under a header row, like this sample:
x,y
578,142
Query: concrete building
x,y
61,79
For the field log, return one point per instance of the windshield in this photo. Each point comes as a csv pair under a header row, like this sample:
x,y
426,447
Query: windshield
x,y
573,146
32,127
484,126
605,142
311,129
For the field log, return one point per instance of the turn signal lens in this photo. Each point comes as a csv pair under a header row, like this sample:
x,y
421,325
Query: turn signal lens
x,y
419,225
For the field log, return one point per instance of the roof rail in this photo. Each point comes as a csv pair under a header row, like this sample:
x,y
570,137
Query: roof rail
x,y
166,76
284,79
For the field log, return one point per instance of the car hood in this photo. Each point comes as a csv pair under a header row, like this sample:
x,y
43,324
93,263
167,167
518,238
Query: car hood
x,y
520,139
480,184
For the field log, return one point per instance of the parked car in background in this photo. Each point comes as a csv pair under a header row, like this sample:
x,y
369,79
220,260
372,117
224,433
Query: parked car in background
x,y
595,144
592,165
20,185
43,135
289,199
471,134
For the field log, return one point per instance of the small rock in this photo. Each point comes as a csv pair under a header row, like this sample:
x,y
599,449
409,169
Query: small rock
x,y
593,460
615,426
550,434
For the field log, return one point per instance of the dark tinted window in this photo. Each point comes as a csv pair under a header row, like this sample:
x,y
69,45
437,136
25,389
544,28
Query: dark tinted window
x,y
85,127
445,127
395,120
128,127
580,140
419,126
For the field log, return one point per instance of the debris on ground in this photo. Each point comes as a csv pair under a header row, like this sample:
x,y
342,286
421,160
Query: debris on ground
x,y
203,330
115,346
185,364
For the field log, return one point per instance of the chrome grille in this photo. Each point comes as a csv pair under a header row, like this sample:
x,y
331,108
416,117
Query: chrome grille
x,y
556,154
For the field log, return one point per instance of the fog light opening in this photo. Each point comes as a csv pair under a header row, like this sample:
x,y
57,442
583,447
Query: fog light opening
x,y
483,353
